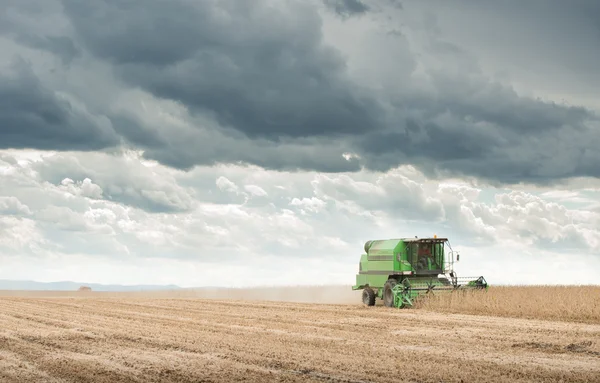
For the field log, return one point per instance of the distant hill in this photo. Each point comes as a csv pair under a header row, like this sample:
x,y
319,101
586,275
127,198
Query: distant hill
x,y
6,284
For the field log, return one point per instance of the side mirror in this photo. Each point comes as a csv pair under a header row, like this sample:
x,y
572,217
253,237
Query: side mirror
x,y
457,257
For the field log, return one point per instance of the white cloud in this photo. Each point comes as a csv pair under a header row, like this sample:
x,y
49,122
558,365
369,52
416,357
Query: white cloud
x,y
306,220
18,234
226,185
125,178
255,190
85,188
12,206
312,205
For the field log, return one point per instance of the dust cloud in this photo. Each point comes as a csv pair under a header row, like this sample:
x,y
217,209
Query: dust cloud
x,y
327,294
297,294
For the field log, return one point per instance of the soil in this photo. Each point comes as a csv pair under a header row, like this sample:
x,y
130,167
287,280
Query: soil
x,y
140,338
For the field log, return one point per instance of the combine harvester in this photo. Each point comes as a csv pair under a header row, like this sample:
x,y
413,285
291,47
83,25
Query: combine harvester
x,y
400,270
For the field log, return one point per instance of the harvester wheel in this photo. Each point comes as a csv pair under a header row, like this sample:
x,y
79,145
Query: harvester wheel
x,y
388,294
368,296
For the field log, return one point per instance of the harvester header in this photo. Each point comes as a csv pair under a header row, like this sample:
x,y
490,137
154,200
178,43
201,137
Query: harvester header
x,y
399,270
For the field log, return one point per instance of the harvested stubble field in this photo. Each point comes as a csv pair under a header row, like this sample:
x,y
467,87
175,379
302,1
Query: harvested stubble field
x,y
183,336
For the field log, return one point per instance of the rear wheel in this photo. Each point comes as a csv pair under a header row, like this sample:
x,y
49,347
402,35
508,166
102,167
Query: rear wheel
x,y
388,294
368,296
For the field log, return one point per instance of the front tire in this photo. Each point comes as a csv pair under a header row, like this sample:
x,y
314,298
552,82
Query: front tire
x,y
368,296
388,294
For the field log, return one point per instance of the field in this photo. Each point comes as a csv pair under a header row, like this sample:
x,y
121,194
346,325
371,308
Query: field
x,y
301,334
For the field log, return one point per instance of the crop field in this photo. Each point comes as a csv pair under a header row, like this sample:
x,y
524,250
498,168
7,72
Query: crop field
x,y
299,335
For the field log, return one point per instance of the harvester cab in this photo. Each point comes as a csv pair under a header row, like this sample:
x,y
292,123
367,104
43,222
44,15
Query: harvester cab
x,y
400,270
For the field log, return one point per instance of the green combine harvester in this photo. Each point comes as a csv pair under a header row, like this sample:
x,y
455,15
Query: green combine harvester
x,y
400,270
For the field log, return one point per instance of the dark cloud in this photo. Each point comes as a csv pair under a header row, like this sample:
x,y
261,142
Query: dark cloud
x,y
347,8
489,133
201,143
549,46
395,3
134,131
266,82
21,21
470,124
61,46
263,87
186,151
32,116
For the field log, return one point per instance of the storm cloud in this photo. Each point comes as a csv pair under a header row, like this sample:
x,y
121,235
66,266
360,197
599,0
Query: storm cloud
x,y
347,8
32,115
219,58
288,85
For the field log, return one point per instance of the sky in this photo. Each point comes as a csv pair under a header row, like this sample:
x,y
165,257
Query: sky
x,y
234,143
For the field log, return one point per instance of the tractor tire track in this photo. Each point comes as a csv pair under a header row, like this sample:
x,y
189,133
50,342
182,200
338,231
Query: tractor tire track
x,y
121,339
